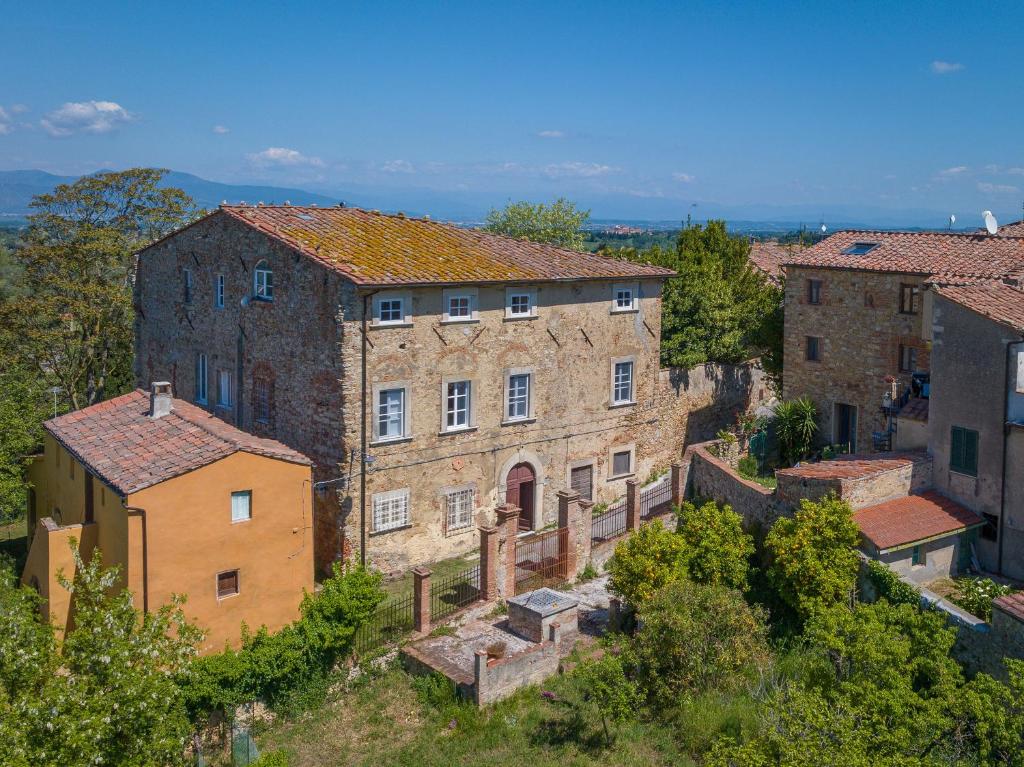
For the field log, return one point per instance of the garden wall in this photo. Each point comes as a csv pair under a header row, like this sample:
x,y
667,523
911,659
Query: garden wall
x,y
708,476
983,646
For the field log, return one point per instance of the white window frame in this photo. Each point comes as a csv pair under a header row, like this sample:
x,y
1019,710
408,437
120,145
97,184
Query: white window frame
x,y
263,282
634,297
406,430
405,309
531,296
612,451
446,396
218,292
617,401
202,379
236,517
469,295
395,504
223,388
511,373
459,508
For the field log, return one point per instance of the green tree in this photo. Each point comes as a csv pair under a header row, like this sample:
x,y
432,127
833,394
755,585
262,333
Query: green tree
x,y
719,308
650,558
73,324
813,562
718,548
23,407
559,223
603,685
696,637
106,694
796,424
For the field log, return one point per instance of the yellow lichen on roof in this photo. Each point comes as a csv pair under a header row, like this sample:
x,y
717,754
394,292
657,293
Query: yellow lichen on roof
x,y
377,249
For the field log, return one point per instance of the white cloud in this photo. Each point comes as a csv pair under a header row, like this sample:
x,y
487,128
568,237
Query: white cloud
x,y
221,129
1015,171
552,134
398,166
576,170
987,188
685,178
954,171
282,157
946,67
17,109
6,125
85,117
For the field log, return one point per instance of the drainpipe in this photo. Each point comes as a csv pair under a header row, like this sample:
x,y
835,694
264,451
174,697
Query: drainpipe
x,y
135,511
362,439
1006,439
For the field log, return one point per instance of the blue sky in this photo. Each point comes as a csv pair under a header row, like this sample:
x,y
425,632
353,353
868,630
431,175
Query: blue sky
x,y
634,109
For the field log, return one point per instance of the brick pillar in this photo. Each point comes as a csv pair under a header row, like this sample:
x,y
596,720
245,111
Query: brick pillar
x,y
508,524
569,518
586,528
488,563
678,484
421,600
632,504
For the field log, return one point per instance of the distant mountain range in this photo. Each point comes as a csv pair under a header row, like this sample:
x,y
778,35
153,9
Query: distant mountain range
x,y
17,188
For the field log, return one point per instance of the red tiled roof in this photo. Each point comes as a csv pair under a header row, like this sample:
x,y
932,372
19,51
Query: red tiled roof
x,y
375,249
1012,604
769,257
913,518
994,299
927,253
847,467
916,409
1015,229
122,445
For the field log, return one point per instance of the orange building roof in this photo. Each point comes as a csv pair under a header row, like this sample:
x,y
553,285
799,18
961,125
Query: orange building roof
x,y
1012,604
121,444
928,253
913,518
847,467
374,249
768,257
993,299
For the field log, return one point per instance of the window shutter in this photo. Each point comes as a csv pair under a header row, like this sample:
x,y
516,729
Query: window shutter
x,y
956,448
971,452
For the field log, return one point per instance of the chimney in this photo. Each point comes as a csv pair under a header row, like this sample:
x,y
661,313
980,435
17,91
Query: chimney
x,y
160,399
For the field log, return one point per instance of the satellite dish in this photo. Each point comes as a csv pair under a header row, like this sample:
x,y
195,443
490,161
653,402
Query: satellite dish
x,y
823,229
952,220
990,222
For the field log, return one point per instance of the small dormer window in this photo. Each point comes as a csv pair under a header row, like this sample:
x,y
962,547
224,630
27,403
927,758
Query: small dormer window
x,y
392,308
860,248
263,282
520,303
624,297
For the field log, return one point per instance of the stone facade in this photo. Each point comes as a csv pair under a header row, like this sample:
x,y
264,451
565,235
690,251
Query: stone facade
x,y
861,331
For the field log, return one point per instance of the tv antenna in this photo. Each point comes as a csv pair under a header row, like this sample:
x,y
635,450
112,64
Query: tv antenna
x,y
990,222
952,220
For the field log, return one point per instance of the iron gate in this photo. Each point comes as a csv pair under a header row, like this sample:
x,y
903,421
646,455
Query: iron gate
x,y
541,560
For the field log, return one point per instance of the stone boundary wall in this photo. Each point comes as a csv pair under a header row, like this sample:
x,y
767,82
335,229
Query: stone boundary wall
x,y
495,679
708,476
912,477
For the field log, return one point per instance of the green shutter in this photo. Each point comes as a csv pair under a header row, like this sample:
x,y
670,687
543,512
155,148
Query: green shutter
x,y
956,449
971,452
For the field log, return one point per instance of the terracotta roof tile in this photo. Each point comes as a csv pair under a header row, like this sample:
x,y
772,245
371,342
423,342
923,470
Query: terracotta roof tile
x,y
994,299
1012,604
849,467
374,249
119,442
913,518
928,253
916,409
769,257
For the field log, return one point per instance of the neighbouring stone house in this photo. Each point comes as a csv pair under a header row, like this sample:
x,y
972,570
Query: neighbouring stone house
x,y
429,371
857,322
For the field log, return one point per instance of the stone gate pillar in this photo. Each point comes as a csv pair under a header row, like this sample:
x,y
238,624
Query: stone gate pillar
x,y
489,563
632,504
569,518
508,524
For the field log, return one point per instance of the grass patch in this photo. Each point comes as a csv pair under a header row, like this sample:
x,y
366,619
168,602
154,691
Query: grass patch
x,y
401,587
14,542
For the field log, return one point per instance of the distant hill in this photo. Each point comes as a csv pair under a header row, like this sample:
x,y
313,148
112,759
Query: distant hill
x,y
17,188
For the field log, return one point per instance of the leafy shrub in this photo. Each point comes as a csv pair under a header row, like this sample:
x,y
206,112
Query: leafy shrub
x,y
748,466
645,561
588,574
889,586
726,436
813,562
272,759
717,548
796,423
435,691
695,637
602,684
975,595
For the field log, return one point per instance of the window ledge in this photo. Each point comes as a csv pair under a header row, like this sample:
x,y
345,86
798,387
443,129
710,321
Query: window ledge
x,y
260,300
468,321
241,521
519,318
961,473
386,442
517,421
621,476
616,405
625,311
458,531
374,533
227,596
383,325
459,430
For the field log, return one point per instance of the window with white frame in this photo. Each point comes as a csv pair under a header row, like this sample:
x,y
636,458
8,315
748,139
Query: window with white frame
x,y
460,305
624,297
186,285
241,506
391,413
390,510
201,378
263,282
218,292
390,311
460,504
517,406
520,303
457,404
224,388
622,383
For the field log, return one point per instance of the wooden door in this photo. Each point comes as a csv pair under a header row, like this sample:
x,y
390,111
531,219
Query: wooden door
x,y
519,490
581,480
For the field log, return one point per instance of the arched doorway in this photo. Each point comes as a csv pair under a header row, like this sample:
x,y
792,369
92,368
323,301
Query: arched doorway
x,y
520,486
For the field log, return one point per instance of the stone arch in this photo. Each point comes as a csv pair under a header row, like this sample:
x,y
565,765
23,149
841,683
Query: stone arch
x,y
522,455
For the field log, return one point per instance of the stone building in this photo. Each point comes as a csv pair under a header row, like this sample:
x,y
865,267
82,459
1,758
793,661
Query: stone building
x,y
430,372
857,323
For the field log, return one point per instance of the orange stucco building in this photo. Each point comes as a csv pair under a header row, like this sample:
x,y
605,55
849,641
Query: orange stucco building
x,y
182,503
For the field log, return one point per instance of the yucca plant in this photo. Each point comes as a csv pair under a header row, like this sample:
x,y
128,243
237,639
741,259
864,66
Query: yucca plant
x,y
796,423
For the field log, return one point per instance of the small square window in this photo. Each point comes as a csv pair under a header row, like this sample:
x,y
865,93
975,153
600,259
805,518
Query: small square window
x,y
390,311
814,291
624,297
263,282
460,505
813,349
622,463
860,248
241,506
390,510
519,304
908,298
227,584
459,307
